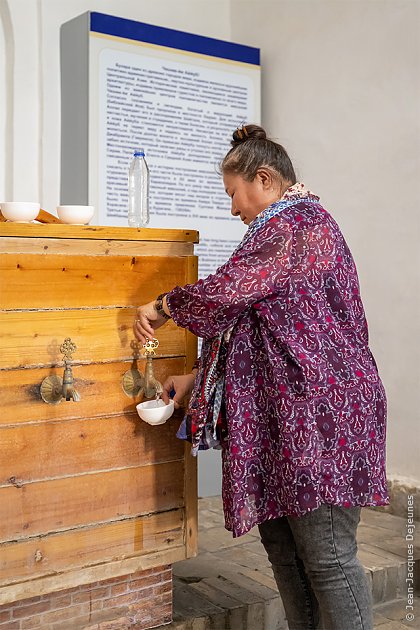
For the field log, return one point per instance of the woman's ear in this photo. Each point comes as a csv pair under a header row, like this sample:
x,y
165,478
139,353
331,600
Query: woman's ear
x,y
265,177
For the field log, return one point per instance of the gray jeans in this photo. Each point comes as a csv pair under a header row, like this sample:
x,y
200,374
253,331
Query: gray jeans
x,y
320,580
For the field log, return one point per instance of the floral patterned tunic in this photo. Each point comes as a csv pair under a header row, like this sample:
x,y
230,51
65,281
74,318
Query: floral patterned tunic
x,y
305,407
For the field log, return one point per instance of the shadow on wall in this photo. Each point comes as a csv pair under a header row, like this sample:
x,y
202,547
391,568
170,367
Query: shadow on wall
x,y
209,473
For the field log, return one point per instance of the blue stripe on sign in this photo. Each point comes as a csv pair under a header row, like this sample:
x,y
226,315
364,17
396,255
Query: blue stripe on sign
x,y
138,31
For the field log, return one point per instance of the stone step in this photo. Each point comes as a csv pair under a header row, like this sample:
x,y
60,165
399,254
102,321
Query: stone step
x,y
230,584
389,616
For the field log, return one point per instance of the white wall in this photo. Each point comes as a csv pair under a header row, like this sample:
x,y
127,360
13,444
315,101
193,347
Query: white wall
x,y
341,91
33,85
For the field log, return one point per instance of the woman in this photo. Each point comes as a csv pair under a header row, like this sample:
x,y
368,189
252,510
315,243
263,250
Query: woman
x,y
287,386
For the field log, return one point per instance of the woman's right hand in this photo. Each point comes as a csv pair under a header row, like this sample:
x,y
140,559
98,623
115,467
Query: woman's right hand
x,y
182,385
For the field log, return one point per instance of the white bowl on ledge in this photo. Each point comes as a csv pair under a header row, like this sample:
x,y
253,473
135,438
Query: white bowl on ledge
x,y
75,215
20,211
155,411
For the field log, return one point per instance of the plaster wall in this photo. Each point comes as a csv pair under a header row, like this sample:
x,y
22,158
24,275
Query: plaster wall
x,y
341,91
29,70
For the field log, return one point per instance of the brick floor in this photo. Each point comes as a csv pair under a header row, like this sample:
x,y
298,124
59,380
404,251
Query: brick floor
x,y
230,585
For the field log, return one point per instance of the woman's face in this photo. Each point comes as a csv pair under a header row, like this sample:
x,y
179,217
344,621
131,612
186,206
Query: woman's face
x,y
250,198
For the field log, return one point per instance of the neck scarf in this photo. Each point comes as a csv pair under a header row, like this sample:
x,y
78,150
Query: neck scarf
x,y
204,424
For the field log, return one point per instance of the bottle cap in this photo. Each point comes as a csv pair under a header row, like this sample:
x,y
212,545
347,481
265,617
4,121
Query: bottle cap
x,y
139,153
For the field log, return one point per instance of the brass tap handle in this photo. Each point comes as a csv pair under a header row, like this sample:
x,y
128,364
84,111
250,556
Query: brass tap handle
x,y
150,346
68,347
54,388
136,384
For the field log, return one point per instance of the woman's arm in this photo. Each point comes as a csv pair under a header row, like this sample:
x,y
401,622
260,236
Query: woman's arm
x,y
210,306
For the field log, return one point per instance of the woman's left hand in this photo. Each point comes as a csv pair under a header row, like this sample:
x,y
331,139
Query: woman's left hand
x,y
146,322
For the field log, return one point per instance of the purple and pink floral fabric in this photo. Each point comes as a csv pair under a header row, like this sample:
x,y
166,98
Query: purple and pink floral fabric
x,y
305,409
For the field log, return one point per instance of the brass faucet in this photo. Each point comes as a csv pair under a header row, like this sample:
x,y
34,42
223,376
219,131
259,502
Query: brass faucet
x,y
152,388
68,389
135,384
53,388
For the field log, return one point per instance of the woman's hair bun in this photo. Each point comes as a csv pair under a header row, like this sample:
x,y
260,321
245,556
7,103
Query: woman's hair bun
x,y
247,132
251,150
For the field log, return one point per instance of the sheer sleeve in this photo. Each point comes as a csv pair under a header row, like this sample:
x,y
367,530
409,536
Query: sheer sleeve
x,y
257,269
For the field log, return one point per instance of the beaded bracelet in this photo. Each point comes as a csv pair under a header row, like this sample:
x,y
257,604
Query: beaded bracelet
x,y
159,306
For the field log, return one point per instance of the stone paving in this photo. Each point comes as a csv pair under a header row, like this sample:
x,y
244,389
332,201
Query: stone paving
x,y
230,585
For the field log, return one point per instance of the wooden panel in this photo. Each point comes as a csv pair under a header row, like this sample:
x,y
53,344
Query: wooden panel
x,y
89,491
99,385
13,245
80,446
191,481
48,506
191,504
33,338
34,230
58,281
59,552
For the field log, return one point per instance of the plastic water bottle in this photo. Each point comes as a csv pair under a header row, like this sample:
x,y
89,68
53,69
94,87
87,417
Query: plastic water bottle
x,y
138,191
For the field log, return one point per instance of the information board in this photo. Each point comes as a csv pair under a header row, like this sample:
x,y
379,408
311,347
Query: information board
x,y
178,96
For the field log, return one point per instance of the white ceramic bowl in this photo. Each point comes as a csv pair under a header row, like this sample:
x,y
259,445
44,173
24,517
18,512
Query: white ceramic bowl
x,y
155,411
76,215
20,211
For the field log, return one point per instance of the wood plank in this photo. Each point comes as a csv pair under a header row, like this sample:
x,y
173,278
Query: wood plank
x,y
33,338
191,472
32,281
191,502
32,587
34,230
81,446
59,504
99,385
191,270
21,245
78,548
47,217
191,275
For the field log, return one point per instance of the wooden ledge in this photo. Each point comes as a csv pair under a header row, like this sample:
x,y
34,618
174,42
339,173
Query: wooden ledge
x,y
98,232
